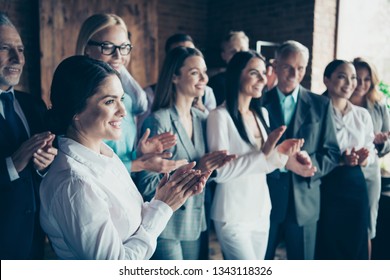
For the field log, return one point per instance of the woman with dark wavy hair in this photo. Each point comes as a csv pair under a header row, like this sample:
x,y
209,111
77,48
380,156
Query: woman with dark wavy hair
x,y
90,207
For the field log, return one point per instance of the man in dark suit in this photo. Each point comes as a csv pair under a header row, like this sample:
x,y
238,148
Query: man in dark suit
x,y
295,191
23,157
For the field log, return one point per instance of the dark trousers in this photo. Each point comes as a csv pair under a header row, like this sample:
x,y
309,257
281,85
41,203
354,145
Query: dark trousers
x,y
343,224
299,240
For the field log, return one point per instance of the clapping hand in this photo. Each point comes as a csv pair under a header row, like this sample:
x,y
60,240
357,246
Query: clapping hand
x,y
185,182
155,144
44,156
381,137
290,146
272,139
30,147
301,164
353,157
214,160
158,162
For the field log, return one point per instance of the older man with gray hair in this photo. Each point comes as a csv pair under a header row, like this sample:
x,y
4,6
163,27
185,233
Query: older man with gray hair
x,y
295,192
24,154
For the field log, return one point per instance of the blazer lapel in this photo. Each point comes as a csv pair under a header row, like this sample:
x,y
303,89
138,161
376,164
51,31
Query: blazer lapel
x,y
302,111
198,144
272,104
182,133
5,140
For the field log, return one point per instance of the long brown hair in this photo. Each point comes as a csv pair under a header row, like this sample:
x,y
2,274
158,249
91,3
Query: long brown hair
x,y
165,96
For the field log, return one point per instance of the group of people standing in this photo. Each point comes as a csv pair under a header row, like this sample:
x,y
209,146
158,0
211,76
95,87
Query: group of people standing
x,y
269,164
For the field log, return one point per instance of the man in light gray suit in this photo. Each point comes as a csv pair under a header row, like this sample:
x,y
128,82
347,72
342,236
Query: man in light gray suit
x,y
295,193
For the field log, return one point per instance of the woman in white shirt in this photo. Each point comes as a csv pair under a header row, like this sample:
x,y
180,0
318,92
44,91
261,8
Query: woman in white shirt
x,y
343,224
241,206
90,207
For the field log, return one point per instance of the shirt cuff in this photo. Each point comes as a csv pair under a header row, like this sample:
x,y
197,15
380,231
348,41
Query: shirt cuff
x,y
13,174
156,215
278,160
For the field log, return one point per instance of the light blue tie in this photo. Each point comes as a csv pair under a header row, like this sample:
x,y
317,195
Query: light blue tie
x,y
288,110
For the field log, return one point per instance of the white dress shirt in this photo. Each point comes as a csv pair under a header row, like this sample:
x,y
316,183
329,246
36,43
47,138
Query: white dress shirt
x,y
242,192
91,209
355,130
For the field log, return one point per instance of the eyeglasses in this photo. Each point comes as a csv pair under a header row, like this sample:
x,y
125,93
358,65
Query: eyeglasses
x,y
108,48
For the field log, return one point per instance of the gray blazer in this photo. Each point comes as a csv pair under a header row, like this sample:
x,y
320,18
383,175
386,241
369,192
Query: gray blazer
x,y
312,122
380,118
189,221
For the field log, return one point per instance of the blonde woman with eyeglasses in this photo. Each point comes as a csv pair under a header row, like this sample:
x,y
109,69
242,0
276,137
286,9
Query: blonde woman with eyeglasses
x,y
105,37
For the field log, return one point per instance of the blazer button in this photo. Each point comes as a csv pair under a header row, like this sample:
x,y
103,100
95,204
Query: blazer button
x,y
28,212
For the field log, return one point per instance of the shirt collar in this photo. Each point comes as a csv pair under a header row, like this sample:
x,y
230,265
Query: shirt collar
x,y
338,113
11,89
95,161
282,96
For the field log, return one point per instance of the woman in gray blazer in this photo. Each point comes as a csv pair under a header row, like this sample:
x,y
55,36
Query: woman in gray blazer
x,y
366,96
183,77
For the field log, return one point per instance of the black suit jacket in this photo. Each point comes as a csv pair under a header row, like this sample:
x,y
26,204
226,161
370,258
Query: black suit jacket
x,y
313,122
218,84
21,236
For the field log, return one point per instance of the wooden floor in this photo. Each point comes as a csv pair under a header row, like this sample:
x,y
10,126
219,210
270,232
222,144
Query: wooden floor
x,y
214,250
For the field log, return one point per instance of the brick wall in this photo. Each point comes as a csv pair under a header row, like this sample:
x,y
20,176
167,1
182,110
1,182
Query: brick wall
x,y
265,20
207,21
324,41
182,16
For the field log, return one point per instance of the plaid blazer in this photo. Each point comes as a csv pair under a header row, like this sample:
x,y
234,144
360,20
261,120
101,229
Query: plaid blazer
x,y
188,221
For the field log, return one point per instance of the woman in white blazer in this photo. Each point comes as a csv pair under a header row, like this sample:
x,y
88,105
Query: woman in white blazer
x,y
241,206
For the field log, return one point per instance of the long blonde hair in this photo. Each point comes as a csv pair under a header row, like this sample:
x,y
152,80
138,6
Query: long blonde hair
x,y
373,95
94,24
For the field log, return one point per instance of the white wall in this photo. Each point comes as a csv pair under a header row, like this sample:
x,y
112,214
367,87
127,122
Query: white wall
x,y
364,30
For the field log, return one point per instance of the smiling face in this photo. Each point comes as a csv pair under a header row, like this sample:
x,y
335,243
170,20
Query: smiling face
x,y
101,119
193,78
342,81
115,35
11,57
364,81
253,78
290,71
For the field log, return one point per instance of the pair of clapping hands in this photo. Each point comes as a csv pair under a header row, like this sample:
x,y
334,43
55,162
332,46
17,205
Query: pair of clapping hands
x,y
38,148
186,181
353,157
152,155
298,161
